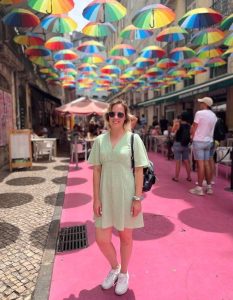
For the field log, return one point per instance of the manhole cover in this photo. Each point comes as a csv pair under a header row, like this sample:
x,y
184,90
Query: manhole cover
x,y
70,238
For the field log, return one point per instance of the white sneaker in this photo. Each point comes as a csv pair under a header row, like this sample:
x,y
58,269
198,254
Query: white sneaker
x,y
209,190
122,284
204,183
197,191
111,278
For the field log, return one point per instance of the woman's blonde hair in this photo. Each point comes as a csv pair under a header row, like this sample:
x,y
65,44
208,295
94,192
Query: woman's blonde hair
x,y
127,123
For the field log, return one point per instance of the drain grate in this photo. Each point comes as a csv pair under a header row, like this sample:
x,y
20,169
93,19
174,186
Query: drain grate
x,y
70,238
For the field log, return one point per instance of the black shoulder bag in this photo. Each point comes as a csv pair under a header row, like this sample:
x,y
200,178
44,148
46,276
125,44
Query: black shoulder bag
x,y
149,177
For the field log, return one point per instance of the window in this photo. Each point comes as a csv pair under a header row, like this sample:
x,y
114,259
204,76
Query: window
x,y
214,72
189,81
170,88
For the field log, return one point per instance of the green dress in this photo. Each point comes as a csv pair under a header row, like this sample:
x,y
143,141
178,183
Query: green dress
x,y
117,185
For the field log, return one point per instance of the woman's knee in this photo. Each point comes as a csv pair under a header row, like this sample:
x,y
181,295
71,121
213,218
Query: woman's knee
x,y
126,236
103,237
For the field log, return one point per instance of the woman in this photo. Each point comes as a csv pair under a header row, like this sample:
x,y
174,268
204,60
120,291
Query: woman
x,y
117,191
181,130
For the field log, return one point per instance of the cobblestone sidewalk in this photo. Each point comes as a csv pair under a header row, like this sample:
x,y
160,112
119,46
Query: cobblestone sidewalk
x,y
27,203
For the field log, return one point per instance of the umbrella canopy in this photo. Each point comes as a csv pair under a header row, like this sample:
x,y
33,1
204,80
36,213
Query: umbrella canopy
x,y
152,52
65,54
59,23
229,40
166,63
215,62
192,62
227,53
86,67
153,16
120,60
93,59
64,64
37,51
10,2
19,17
52,6
196,70
39,60
207,36
110,69
84,106
227,23
172,34
29,39
91,47
58,43
142,62
199,18
104,11
122,50
98,29
181,53
133,33
209,52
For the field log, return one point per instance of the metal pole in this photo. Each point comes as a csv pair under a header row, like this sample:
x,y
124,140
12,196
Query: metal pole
x,y
230,189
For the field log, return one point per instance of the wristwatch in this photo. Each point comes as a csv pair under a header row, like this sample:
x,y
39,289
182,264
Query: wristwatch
x,y
137,198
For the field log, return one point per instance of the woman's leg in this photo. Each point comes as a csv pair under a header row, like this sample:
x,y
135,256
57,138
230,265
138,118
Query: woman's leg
x,y
126,241
188,169
177,170
104,241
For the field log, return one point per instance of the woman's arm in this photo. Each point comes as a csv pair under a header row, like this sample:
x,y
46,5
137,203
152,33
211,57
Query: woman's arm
x,y
136,204
97,208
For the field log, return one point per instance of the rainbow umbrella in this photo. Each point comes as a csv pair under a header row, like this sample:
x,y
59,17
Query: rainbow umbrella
x,y
64,64
199,18
19,17
121,60
69,71
39,60
196,70
98,29
142,62
192,62
229,40
29,39
181,53
46,70
93,59
133,71
52,6
65,54
58,43
104,11
177,72
227,23
59,23
153,16
215,62
209,52
152,52
122,50
227,53
37,51
86,67
91,47
166,63
10,2
207,36
155,71
110,69
172,34
131,32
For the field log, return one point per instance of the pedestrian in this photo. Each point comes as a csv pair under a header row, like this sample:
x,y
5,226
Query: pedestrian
x,y
117,192
202,132
181,132
163,124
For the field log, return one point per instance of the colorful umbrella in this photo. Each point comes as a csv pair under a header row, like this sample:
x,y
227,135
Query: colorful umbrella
x,y
39,60
122,50
93,59
52,6
58,43
10,2
19,17
154,71
98,29
200,17
153,16
227,53
46,70
207,36
133,33
37,51
181,53
91,47
196,70
29,39
121,60
86,67
192,62
215,62
59,23
69,71
172,34
166,63
152,52
104,11
142,62
64,64
209,52
110,69
229,40
227,23
65,54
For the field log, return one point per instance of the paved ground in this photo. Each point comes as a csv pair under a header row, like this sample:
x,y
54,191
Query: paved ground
x,y
27,204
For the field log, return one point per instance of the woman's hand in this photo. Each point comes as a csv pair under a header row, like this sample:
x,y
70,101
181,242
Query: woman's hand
x,y
97,208
136,208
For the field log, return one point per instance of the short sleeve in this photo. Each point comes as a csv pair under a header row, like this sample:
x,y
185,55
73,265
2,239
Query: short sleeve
x,y
197,117
94,157
140,154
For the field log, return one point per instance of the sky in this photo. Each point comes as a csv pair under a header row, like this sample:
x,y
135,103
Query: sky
x,y
76,13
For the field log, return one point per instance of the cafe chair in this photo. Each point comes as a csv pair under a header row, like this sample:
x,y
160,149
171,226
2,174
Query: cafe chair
x,y
223,157
43,148
77,149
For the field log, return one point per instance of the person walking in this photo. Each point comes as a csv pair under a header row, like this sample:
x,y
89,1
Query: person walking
x,y
202,132
117,192
181,131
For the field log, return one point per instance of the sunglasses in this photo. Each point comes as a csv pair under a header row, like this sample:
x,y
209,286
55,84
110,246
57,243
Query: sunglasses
x,y
119,114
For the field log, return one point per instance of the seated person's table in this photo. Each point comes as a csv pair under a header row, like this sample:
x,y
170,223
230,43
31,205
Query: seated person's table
x,y
38,139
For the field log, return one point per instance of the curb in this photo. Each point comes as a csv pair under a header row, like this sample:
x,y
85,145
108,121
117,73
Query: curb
x,y
42,288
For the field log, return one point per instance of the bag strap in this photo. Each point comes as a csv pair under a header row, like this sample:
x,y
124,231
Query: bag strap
x,y
132,152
